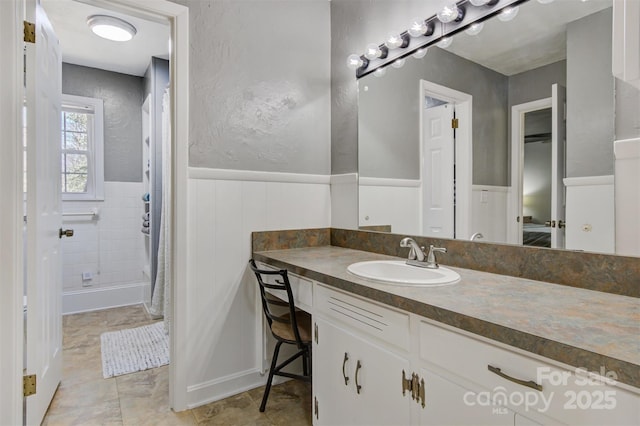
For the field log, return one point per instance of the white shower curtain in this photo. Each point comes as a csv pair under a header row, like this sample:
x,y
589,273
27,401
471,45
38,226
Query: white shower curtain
x,y
161,299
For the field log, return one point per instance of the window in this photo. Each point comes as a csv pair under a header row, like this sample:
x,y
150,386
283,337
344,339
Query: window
x,y
82,148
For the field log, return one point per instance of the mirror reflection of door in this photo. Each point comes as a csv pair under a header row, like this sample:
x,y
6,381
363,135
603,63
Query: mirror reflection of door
x,y
438,169
538,149
536,179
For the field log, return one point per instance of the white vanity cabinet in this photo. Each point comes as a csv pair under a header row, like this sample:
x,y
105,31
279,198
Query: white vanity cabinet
x,y
375,365
471,381
356,372
450,402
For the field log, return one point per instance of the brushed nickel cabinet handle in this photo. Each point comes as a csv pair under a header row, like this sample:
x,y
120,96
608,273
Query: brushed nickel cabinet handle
x,y
344,363
358,367
530,384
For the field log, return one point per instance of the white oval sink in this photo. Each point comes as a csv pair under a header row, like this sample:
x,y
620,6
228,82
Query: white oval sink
x,y
398,272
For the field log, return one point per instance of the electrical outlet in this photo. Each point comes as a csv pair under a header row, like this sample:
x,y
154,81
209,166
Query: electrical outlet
x,y
87,278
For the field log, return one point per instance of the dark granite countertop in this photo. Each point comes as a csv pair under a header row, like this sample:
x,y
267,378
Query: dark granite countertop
x,y
582,328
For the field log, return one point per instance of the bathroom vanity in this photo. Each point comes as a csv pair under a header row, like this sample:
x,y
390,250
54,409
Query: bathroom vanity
x,y
491,349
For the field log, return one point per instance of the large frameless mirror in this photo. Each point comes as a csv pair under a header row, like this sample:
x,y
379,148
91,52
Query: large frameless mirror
x,y
502,134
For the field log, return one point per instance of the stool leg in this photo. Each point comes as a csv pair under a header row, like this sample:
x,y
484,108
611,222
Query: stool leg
x,y
270,379
305,363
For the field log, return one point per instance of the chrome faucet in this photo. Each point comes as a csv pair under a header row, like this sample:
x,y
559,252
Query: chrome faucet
x,y
432,263
476,236
416,252
417,256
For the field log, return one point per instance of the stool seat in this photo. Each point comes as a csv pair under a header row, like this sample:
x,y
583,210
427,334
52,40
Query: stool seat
x,y
284,331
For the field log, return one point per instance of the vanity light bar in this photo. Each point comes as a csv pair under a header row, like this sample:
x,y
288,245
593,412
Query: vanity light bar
x,y
406,43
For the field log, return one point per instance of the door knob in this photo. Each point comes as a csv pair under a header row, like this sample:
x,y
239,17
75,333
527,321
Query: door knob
x,y
65,233
550,223
561,224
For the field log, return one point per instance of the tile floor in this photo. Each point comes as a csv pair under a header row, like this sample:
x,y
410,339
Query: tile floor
x,y
85,398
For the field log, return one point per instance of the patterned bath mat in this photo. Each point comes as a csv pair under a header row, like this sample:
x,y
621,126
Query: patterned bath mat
x,y
134,349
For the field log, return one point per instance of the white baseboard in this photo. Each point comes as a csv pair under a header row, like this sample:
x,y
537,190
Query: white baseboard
x,y
224,387
94,299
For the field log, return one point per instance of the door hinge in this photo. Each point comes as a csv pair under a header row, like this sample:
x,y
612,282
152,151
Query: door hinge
x,y
29,384
454,123
315,408
29,32
415,385
315,330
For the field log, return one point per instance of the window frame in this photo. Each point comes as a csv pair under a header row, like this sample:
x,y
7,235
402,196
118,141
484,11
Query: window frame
x,y
95,160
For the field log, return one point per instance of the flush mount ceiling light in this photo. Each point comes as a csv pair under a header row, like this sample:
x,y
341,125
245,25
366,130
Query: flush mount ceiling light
x,y
111,28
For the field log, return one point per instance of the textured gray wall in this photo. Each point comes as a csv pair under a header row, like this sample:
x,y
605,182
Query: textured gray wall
x,y
590,96
389,117
260,85
536,84
627,111
123,97
533,85
354,24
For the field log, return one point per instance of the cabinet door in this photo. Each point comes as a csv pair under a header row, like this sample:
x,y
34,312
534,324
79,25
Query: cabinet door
x,y
358,390
333,398
450,403
524,421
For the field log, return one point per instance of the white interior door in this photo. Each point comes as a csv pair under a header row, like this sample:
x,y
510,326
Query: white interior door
x,y
437,172
44,277
558,142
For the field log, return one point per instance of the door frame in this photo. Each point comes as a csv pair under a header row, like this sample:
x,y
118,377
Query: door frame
x,y
514,227
463,103
11,172
11,215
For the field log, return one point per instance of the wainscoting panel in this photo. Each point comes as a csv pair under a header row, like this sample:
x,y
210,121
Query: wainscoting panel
x,y
344,201
394,202
627,195
222,304
590,214
489,212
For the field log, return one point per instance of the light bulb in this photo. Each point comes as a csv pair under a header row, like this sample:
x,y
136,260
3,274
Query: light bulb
x,y
380,72
420,53
508,13
354,62
418,27
372,51
398,63
394,40
545,1
450,13
479,2
475,28
445,42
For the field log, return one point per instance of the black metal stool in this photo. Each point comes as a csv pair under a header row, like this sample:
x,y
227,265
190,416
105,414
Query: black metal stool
x,y
293,327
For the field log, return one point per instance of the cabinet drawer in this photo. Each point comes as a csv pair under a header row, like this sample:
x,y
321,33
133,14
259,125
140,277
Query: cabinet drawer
x,y
301,288
381,322
563,395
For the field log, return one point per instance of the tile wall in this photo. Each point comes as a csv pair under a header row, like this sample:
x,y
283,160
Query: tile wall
x,y
109,245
